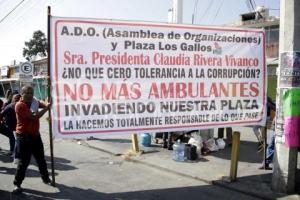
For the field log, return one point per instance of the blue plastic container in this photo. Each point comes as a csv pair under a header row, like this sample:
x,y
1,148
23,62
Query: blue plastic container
x,y
145,139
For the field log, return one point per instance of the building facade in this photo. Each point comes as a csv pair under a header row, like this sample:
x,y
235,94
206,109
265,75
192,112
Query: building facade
x,y
261,19
9,79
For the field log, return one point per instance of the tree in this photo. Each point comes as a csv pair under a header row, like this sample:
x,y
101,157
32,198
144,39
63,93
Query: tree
x,y
37,46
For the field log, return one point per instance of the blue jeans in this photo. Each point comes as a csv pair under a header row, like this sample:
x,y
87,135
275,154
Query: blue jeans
x,y
271,149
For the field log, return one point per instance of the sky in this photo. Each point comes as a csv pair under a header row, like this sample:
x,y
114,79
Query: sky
x,y
31,15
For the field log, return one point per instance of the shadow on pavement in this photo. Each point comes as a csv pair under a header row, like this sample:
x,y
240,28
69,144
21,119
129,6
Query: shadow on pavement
x,y
244,188
114,140
4,157
5,195
11,171
64,192
60,164
74,193
253,184
248,153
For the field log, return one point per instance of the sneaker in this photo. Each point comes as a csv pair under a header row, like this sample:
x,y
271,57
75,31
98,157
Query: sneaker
x,y
17,190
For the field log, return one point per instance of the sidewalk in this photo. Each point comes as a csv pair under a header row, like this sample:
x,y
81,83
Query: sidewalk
x,y
210,168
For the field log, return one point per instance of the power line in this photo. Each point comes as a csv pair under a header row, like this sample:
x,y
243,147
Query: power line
x,y
218,11
252,5
195,12
208,7
11,11
28,12
248,5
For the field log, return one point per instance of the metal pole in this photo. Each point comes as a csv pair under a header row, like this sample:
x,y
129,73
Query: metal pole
x,y
234,155
285,158
49,96
135,144
264,137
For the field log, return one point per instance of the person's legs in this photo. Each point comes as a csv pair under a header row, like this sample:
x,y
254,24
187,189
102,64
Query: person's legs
x,y
270,153
24,147
270,150
229,135
17,150
165,139
220,132
257,132
170,142
4,130
38,153
12,141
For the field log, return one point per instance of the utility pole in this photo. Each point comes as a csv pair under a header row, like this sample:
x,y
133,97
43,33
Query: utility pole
x,y
177,11
285,158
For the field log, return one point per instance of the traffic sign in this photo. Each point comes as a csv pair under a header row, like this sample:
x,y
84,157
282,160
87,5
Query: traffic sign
x,y
26,72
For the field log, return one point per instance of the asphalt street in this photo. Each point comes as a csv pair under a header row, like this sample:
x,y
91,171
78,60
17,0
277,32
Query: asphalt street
x,y
99,169
87,173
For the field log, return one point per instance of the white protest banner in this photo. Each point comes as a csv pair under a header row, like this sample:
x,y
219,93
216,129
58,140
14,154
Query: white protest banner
x,y
131,77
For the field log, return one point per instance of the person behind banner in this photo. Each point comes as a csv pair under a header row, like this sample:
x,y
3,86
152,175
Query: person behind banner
x,y
28,139
270,109
270,150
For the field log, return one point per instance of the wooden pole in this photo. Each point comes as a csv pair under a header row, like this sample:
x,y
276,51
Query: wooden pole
x,y
234,155
49,96
135,144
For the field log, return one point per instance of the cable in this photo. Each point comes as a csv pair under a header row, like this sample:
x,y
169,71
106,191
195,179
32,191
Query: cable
x,y
252,5
195,11
218,11
11,11
248,5
208,7
28,12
